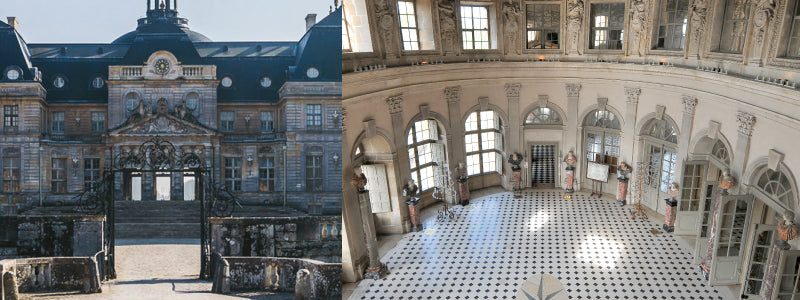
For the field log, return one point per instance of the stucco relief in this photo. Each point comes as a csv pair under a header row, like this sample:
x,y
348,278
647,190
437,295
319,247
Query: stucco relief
x,y
575,9
573,89
638,27
698,11
384,13
447,25
452,94
765,11
689,104
511,13
395,103
746,122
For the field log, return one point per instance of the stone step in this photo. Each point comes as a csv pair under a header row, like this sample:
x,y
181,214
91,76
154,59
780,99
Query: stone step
x,y
157,230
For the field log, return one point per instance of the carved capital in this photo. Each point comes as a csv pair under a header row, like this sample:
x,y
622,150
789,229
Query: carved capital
x,y
746,121
512,90
689,103
632,94
573,89
395,103
452,94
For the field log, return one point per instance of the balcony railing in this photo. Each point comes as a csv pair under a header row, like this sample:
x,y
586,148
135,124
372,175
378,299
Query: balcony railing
x,y
74,138
233,137
146,72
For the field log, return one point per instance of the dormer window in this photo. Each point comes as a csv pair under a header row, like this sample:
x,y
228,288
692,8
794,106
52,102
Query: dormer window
x,y
59,82
265,82
98,82
13,73
312,72
226,82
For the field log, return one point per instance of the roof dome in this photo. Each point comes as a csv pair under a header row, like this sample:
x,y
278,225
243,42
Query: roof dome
x,y
162,21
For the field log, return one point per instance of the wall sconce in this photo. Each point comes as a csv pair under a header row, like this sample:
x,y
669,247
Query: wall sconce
x,y
335,159
77,122
75,166
247,120
336,117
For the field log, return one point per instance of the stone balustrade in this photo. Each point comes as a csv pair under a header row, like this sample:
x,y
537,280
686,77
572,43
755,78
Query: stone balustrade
x,y
50,273
308,279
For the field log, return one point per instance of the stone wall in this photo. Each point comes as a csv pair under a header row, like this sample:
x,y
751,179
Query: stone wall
x,y
315,237
42,236
322,280
52,273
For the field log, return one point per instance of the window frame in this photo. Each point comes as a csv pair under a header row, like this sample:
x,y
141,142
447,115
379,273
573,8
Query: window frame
x,y
314,180
793,18
592,28
266,173
11,116
656,32
54,122
488,29
313,118
415,29
543,29
58,175
267,124
414,145
483,153
603,132
723,20
98,126
11,166
232,173
92,173
225,124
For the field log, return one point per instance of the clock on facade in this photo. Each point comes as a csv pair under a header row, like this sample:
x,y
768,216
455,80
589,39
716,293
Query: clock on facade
x,y
12,74
161,66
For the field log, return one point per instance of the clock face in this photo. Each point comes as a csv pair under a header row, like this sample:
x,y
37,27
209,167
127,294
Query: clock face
x,y
12,74
161,66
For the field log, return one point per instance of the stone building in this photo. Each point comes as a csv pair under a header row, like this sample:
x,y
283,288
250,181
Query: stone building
x,y
685,90
264,117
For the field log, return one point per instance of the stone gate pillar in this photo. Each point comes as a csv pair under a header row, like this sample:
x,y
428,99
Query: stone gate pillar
x,y
375,269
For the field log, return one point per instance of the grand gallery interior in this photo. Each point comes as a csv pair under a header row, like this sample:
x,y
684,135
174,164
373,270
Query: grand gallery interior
x,y
476,97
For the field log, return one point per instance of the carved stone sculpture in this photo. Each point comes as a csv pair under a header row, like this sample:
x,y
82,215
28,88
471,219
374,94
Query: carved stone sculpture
x,y
570,160
765,10
726,181
385,16
511,12
447,24
575,10
623,170
698,11
461,172
410,190
787,230
672,204
638,27
515,159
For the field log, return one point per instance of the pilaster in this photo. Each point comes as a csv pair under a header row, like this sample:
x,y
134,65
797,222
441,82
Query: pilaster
x,y
455,153
687,121
571,134
627,136
513,139
742,147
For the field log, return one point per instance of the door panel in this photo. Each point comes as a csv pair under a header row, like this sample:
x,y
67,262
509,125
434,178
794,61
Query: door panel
x,y
378,188
651,174
729,244
758,258
543,164
707,204
688,214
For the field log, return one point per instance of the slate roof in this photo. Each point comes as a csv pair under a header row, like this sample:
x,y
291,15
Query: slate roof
x,y
245,62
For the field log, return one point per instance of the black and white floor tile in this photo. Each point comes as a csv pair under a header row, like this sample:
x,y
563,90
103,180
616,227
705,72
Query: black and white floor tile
x,y
492,246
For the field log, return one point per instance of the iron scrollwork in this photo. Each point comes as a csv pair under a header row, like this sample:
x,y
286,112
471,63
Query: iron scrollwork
x,y
222,201
157,154
93,200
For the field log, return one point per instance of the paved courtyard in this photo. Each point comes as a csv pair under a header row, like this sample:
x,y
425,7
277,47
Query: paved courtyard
x,y
590,245
157,269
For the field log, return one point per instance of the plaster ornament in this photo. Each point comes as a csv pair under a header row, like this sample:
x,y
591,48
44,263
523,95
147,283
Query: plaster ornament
x,y
787,230
515,159
511,12
447,24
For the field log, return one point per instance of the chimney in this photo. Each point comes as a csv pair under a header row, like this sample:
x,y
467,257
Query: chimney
x,y
311,19
13,22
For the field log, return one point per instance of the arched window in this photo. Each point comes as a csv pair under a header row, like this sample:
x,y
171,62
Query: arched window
x,y
484,142
661,154
602,138
721,152
778,187
424,152
543,116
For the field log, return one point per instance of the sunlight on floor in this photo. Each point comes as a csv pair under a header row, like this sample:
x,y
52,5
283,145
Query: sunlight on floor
x,y
538,220
600,251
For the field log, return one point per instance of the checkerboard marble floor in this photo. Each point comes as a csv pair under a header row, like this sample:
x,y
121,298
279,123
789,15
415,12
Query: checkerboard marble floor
x,y
493,245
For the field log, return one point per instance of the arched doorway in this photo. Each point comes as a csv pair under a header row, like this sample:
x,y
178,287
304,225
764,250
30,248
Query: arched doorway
x,y
660,139
601,138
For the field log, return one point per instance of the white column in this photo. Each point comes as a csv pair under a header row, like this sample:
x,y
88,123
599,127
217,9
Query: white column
x,y
687,121
571,134
742,148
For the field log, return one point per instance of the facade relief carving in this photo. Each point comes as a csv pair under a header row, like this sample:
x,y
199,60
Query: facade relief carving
x,y
632,94
575,9
573,89
638,27
452,94
689,104
746,122
511,14
384,14
512,90
447,26
395,103
698,12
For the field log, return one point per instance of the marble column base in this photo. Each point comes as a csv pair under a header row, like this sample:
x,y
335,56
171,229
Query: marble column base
x,y
376,272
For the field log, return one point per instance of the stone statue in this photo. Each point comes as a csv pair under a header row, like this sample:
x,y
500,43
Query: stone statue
x,y
787,230
511,13
180,110
461,172
447,24
672,203
726,181
638,26
410,190
623,170
570,159
697,11
574,19
515,159
359,180
385,17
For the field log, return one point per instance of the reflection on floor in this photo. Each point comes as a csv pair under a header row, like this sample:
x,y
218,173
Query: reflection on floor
x,y
492,246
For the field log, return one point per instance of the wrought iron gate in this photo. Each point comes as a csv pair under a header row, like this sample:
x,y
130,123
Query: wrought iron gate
x,y
156,155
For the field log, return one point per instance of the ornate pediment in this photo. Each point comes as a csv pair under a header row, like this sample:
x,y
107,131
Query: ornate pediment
x,y
161,124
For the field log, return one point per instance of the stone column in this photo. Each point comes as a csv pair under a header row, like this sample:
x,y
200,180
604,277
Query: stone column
x,y
771,274
455,153
571,134
687,121
742,148
705,266
375,269
402,165
627,136
513,138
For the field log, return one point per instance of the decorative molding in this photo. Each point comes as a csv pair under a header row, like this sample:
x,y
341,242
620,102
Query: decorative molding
x,y
660,112
369,128
689,104
573,89
601,103
544,100
344,118
511,14
483,103
713,129
512,90
452,94
775,160
632,94
425,111
746,122
395,103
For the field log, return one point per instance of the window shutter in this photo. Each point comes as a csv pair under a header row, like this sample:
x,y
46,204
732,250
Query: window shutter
x,y
434,130
378,188
499,164
496,120
498,141
438,152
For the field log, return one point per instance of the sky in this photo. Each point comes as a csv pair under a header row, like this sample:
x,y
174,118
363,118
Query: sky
x,y
102,21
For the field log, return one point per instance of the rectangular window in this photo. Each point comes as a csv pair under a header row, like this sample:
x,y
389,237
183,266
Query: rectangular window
x,y
233,173
473,164
313,173
794,36
58,181
543,23
345,32
11,116
489,161
408,25
98,122
91,173
471,141
267,121
475,27
607,21
266,174
734,26
11,175
226,121
314,115
58,122
672,24
426,178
